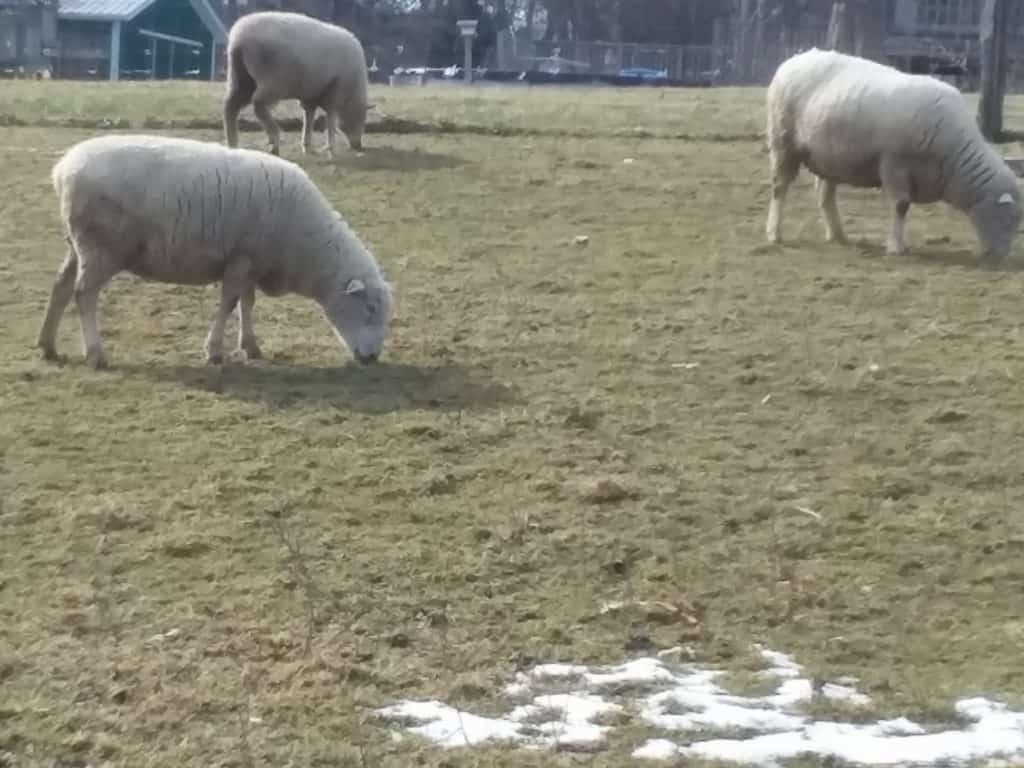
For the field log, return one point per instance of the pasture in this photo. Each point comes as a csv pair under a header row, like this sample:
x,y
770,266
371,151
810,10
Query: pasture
x,y
813,447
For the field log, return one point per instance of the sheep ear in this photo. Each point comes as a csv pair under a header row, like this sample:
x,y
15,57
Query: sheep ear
x,y
355,286
1005,199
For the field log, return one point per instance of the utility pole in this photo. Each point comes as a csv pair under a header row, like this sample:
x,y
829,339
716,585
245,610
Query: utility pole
x,y
995,20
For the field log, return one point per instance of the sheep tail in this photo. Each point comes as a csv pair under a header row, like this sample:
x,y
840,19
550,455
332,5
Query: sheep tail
x,y
241,84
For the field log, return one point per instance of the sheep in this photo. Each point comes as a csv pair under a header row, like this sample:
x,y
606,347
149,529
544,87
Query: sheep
x,y
853,121
274,55
188,212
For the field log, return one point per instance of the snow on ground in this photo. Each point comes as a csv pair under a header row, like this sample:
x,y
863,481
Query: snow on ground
x,y
686,702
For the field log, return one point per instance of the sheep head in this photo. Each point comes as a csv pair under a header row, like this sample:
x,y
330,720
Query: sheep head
x,y
996,218
360,311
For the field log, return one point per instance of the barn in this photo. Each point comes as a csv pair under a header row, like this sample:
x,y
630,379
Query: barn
x,y
28,32
139,39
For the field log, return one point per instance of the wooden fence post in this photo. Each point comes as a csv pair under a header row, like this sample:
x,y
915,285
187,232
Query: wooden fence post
x,y
995,18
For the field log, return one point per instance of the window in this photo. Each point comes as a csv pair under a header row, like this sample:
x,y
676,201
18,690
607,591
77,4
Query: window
x,y
949,14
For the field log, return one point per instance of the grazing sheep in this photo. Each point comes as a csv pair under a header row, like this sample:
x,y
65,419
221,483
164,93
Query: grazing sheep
x,y
854,121
274,56
188,212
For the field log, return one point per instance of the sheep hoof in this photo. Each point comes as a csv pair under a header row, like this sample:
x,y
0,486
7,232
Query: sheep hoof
x,y
215,359
274,150
97,361
49,352
253,352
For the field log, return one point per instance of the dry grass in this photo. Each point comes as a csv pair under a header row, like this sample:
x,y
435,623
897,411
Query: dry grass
x,y
509,110
205,567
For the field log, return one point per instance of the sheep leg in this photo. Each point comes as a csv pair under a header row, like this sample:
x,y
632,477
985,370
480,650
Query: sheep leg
x,y
233,286
896,183
308,116
261,107
60,296
234,102
829,210
246,335
92,276
214,345
215,338
784,171
332,131
895,245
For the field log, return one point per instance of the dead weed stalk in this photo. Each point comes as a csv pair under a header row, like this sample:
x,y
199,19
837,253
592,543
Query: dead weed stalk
x,y
298,566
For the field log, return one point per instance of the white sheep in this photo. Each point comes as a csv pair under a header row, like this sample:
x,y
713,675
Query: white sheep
x,y
188,212
273,56
853,121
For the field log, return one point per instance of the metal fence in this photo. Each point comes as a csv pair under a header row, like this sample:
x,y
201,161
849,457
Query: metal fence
x,y
722,64
677,62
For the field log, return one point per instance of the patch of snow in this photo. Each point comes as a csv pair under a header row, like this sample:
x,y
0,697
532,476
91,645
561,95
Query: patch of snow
x,y
558,670
845,693
899,726
517,688
790,693
449,727
636,671
782,664
688,700
710,710
570,722
994,734
656,749
574,715
676,651
168,635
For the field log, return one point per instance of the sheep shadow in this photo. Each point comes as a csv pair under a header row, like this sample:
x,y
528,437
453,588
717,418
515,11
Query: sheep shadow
x,y
374,389
385,158
937,252
925,253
